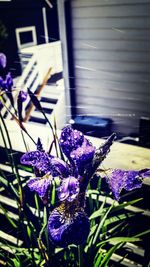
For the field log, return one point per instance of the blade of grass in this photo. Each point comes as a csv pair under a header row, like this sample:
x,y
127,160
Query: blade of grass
x,y
101,224
7,217
108,255
118,240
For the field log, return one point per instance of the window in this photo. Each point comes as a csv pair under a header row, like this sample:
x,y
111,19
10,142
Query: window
x,y
26,37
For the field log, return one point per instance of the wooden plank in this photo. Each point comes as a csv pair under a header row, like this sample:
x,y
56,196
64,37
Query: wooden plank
x,y
89,3
10,238
117,114
22,173
112,94
115,86
114,45
112,11
130,106
32,107
109,23
10,214
113,33
114,66
114,56
12,203
102,76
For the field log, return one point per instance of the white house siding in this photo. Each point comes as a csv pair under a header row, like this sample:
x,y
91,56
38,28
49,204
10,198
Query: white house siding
x,y
111,46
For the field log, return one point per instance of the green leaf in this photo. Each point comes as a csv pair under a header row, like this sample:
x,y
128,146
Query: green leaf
x,y
29,232
53,194
16,263
92,191
118,218
35,100
108,255
14,190
125,204
7,217
143,233
119,240
99,212
92,230
99,259
101,224
44,216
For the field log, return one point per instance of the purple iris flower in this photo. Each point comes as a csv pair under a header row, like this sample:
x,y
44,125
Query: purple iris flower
x,y
68,227
68,224
7,83
3,60
47,164
77,148
22,96
70,140
38,159
83,156
81,152
69,189
128,180
40,184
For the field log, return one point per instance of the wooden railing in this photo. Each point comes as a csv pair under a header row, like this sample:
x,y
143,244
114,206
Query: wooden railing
x,y
44,61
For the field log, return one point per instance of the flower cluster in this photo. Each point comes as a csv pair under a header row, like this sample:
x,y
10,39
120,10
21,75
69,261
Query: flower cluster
x,y
6,83
68,223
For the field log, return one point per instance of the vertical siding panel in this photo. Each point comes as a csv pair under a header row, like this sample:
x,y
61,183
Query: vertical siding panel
x,y
111,44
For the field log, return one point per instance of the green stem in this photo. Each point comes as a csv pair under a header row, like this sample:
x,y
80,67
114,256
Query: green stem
x,y
12,162
19,122
52,132
24,141
80,255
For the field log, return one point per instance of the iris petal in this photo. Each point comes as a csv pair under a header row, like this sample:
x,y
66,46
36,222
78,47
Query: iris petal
x,y
69,189
128,180
40,184
38,159
82,156
65,229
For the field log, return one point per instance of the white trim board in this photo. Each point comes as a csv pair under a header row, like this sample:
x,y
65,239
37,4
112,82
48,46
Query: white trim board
x,y
24,30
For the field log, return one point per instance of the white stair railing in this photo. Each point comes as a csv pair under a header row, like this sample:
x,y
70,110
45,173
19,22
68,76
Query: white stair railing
x,y
43,58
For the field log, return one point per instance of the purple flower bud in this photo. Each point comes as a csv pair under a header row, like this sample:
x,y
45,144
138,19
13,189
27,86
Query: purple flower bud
x,y
8,82
3,60
40,184
68,228
101,153
70,140
69,189
22,96
77,148
39,145
128,180
83,155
